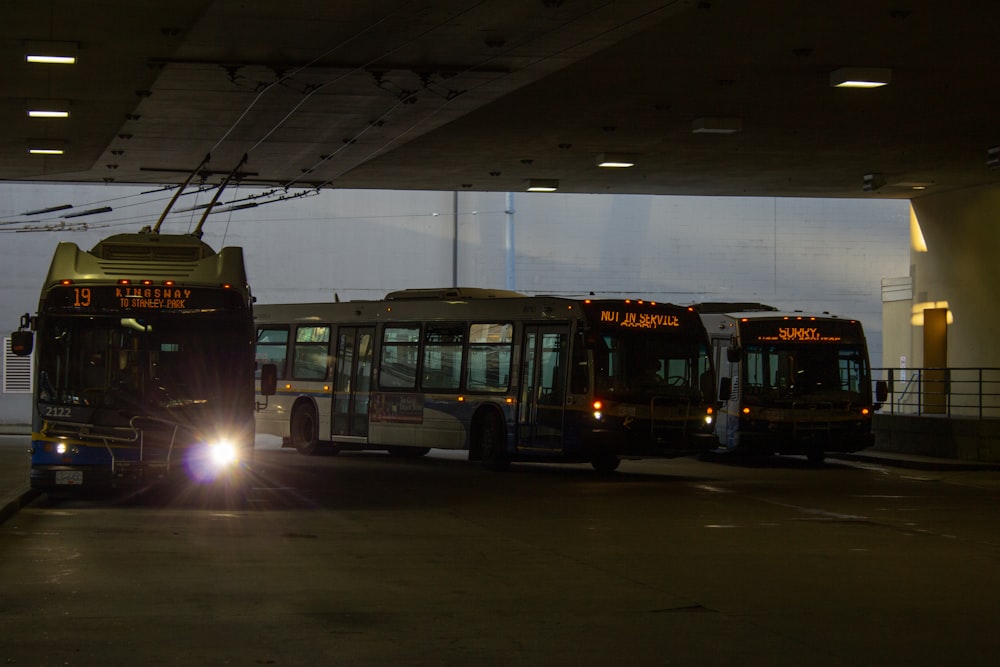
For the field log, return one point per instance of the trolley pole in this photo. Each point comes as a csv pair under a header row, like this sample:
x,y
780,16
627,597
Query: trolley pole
x,y
509,242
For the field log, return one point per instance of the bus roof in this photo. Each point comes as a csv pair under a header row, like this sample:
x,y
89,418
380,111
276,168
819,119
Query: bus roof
x,y
453,293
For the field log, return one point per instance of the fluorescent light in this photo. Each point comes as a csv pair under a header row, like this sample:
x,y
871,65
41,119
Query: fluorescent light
x,y
615,160
50,60
47,113
542,185
50,52
716,125
46,151
860,77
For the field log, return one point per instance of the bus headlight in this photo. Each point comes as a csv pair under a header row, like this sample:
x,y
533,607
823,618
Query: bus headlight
x,y
222,453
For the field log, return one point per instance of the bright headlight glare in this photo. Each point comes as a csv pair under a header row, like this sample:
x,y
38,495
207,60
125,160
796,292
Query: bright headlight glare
x,y
223,452
597,415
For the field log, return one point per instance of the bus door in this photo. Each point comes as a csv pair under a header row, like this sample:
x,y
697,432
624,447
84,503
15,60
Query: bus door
x,y
352,381
543,386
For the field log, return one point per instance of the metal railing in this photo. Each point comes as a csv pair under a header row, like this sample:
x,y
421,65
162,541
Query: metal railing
x,y
946,392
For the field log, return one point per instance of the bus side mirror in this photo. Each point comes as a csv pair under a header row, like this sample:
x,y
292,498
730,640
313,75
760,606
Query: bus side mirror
x,y
725,389
881,391
269,379
22,343
733,354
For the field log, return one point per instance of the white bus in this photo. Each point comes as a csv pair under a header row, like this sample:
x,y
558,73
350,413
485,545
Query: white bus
x,y
505,376
790,382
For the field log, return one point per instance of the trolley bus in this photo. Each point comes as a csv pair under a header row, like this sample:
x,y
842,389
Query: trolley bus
x,y
144,364
790,382
505,376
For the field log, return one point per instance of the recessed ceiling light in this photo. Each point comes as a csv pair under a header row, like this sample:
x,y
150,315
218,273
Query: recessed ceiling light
x,y
615,160
541,185
717,125
860,77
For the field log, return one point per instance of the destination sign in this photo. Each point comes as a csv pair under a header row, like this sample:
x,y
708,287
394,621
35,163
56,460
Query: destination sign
x,y
139,298
638,320
824,331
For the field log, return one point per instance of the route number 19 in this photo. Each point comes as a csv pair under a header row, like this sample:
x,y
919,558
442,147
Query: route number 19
x,y
82,297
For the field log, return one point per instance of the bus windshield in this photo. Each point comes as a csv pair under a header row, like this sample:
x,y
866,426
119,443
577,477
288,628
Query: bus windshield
x,y
155,365
638,365
777,373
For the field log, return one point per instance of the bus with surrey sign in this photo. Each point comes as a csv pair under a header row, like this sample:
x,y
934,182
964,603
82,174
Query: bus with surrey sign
x,y
144,364
790,382
505,376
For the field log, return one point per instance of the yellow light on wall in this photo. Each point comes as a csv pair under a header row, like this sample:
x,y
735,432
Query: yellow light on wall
x,y
917,313
917,242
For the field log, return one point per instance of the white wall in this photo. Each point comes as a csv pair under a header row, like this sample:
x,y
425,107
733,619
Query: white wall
x,y
809,254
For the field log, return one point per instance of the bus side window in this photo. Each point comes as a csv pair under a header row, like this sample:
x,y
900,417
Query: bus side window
x,y
272,348
312,353
398,362
443,356
490,354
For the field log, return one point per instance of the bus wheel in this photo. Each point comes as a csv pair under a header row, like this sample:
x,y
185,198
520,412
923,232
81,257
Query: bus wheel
x,y
605,461
491,444
815,457
304,429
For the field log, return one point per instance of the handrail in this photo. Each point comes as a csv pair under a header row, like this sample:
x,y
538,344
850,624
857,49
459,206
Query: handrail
x,y
970,392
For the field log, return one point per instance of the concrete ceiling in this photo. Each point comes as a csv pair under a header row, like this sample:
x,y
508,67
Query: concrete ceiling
x,y
458,94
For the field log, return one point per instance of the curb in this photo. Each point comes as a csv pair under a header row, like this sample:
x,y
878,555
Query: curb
x,y
915,462
11,508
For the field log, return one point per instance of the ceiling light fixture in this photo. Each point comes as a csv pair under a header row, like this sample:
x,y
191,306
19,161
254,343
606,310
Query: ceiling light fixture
x,y
51,53
541,185
46,146
717,125
860,77
615,160
47,113
872,182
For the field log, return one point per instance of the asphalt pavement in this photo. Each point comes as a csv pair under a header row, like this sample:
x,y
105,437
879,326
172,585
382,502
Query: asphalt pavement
x,y
15,490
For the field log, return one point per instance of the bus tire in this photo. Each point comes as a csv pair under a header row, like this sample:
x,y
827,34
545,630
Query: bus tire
x,y
492,447
305,430
605,461
816,456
